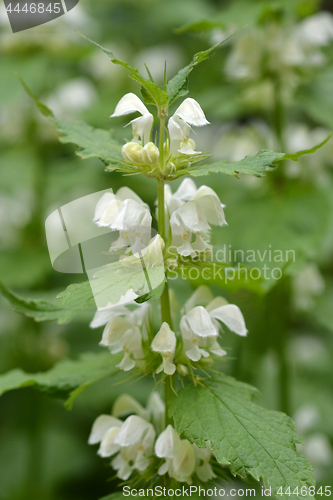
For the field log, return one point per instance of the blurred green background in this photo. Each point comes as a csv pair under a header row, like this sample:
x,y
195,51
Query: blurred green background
x,y
270,86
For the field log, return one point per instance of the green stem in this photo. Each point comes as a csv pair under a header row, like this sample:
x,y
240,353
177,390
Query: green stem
x,y
165,300
161,145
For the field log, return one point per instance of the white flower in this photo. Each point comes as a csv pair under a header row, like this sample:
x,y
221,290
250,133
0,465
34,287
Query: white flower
x,y
179,455
133,439
200,326
100,427
127,213
316,30
165,343
188,113
136,439
141,126
194,218
203,468
139,317
121,335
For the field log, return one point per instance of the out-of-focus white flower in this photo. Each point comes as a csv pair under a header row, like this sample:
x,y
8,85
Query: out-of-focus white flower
x,y
316,30
194,218
318,449
308,283
200,325
165,343
306,418
178,454
130,103
179,125
203,468
73,96
154,58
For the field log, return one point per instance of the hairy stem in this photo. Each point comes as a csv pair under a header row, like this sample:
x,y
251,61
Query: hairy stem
x,y
165,300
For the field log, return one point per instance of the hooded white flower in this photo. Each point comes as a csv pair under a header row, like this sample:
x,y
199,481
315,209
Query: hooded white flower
x,y
127,213
179,125
178,454
121,335
194,218
136,439
133,439
141,126
165,343
200,325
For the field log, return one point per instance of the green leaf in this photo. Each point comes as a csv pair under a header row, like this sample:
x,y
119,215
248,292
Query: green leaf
x,y
257,165
39,310
93,143
177,85
254,442
152,94
76,297
220,274
67,379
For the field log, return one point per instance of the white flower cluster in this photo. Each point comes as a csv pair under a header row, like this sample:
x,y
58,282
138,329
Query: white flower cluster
x,y
141,150
134,446
130,332
190,212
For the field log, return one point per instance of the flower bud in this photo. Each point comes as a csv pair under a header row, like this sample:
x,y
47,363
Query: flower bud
x,y
132,152
150,153
182,370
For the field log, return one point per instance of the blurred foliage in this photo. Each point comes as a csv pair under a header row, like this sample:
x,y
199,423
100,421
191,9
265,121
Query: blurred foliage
x,y
288,352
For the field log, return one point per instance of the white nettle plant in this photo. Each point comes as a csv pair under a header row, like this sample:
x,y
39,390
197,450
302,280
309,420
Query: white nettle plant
x,y
147,443
211,423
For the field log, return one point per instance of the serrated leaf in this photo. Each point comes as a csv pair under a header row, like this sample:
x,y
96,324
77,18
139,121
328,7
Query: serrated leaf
x,y
93,143
39,310
254,442
153,95
175,87
66,379
223,275
257,165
